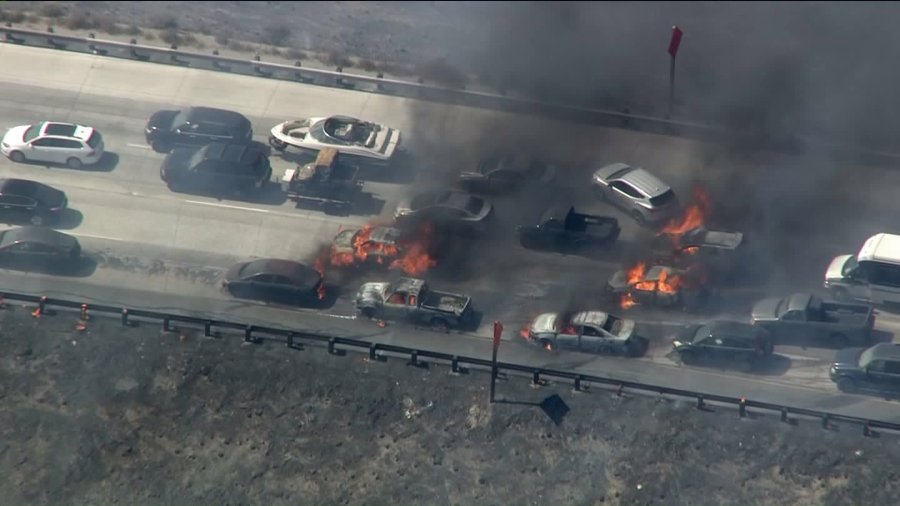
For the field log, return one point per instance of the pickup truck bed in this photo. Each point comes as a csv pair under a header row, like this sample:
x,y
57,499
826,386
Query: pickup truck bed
x,y
446,302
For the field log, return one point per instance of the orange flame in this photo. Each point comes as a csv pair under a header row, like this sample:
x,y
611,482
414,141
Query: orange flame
x,y
319,266
627,301
694,216
548,346
666,285
415,261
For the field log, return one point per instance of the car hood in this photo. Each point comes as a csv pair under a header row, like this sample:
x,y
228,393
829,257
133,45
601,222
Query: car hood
x,y
161,120
15,135
619,280
178,159
371,292
603,173
835,269
847,357
685,335
544,323
234,272
765,310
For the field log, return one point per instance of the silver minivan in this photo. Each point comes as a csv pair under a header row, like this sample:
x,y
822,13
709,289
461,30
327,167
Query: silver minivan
x,y
872,275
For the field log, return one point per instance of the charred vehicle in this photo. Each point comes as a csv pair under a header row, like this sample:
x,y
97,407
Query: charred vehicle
x,y
413,300
806,316
562,229
723,254
385,247
660,286
587,331
326,182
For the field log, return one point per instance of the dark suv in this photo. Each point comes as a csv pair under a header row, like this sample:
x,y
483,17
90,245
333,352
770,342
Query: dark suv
x,y
876,368
217,168
36,203
196,126
724,342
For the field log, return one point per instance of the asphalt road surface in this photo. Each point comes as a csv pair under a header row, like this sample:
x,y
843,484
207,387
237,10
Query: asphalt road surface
x,y
151,248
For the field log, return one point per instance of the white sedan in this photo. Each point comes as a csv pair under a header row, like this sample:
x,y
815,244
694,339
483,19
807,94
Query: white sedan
x,y
350,136
53,142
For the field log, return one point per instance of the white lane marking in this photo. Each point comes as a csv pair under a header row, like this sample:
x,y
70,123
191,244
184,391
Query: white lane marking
x,y
215,204
138,146
101,237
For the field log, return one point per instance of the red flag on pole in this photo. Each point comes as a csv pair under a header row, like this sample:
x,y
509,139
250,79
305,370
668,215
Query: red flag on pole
x,y
498,331
676,41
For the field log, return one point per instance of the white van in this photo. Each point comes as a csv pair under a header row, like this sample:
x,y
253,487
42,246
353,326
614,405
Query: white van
x,y
872,275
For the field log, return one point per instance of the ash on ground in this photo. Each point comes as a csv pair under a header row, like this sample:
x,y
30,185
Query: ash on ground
x,y
115,415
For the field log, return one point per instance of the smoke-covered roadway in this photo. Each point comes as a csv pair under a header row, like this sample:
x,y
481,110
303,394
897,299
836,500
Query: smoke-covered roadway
x,y
159,249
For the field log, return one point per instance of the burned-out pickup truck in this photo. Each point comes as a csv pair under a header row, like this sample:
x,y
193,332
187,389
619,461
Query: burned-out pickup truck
x,y
413,300
563,229
804,316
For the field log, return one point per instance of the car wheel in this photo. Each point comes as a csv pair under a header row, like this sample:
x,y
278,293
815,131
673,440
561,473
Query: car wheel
x,y
37,220
161,147
440,325
638,218
17,156
367,312
840,340
73,163
846,385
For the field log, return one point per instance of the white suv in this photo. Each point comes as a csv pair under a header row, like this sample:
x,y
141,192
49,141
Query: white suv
x,y
63,143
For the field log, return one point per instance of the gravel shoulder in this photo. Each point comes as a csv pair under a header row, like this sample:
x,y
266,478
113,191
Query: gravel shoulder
x,y
114,415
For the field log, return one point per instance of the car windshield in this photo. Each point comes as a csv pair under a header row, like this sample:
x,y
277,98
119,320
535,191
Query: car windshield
x,y
180,119
781,308
94,140
661,200
864,358
612,324
701,334
254,268
849,266
32,132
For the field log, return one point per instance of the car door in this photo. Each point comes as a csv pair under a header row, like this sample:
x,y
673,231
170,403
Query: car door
x,y
569,338
45,149
794,325
16,207
591,339
395,306
282,288
71,148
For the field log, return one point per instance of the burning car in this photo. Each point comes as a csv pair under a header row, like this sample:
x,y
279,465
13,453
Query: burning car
x,y
384,246
587,331
659,285
721,253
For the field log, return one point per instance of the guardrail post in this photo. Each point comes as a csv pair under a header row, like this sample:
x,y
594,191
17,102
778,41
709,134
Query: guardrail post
x,y
701,404
577,386
125,317
42,307
826,421
207,328
867,429
290,340
248,334
620,390
454,365
784,415
167,327
536,379
742,407
373,351
331,343
414,358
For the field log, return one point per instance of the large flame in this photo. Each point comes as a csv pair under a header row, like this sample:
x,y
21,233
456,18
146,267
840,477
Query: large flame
x,y
636,281
409,255
694,216
668,285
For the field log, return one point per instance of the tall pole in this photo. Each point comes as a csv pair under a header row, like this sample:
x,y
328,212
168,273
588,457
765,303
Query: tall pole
x,y
674,43
498,332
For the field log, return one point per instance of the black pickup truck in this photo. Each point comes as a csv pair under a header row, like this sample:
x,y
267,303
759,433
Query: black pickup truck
x,y
565,230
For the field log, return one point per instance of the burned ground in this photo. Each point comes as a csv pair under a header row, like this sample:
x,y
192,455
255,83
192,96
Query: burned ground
x,y
129,416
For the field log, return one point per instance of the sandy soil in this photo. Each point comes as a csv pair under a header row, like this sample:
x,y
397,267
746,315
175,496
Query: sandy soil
x,y
135,416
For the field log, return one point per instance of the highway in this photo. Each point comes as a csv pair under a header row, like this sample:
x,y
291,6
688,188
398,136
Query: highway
x,y
151,248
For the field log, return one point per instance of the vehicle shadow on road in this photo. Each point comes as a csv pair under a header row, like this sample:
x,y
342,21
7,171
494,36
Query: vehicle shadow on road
x,y
69,219
108,162
269,194
82,268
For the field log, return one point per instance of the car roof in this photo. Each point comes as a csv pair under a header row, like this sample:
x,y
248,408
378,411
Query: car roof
x,y
886,351
22,187
241,153
711,238
214,115
70,130
409,285
387,235
40,235
297,272
732,329
645,182
596,318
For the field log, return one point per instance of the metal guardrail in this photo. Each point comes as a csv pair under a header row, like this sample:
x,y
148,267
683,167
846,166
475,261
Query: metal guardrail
x,y
294,338
421,91
340,79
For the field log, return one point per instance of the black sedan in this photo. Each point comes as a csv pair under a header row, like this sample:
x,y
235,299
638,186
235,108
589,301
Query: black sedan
x,y
38,247
505,173
276,280
724,342
27,201
447,209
